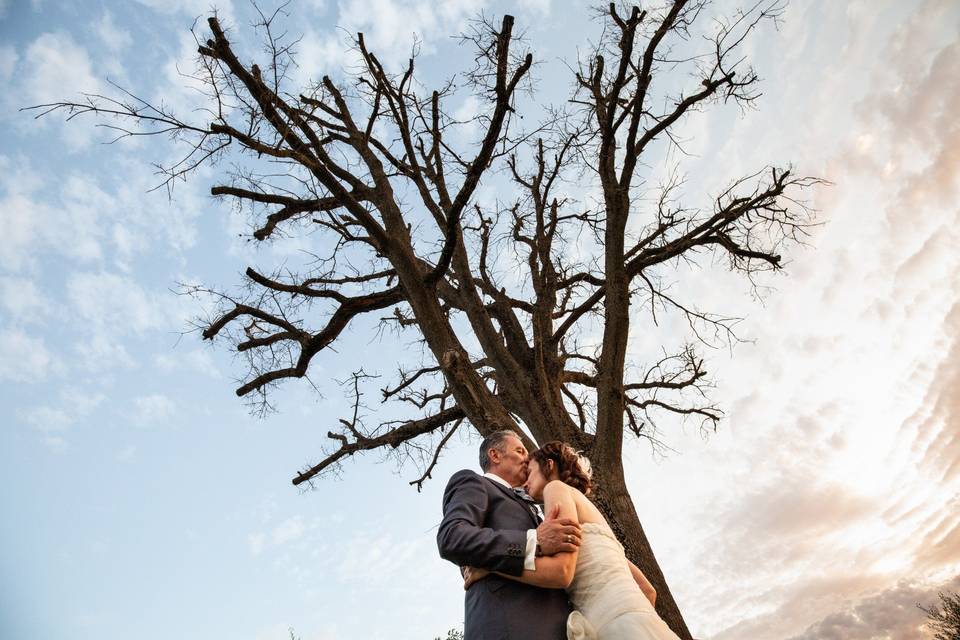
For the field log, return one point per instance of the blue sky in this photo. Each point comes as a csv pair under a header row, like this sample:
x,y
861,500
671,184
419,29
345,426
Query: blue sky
x,y
142,498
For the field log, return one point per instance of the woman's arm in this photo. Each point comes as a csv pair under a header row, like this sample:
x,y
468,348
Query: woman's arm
x,y
554,572
643,583
549,575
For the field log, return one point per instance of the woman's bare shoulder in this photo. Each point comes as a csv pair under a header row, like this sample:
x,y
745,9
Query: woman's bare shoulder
x,y
558,487
587,510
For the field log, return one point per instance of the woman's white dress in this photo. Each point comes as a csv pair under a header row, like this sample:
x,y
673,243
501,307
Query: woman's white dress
x,y
607,601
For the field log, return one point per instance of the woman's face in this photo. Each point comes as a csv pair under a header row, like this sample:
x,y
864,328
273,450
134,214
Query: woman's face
x,y
537,480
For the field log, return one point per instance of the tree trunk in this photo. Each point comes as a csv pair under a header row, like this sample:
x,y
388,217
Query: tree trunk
x,y
612,498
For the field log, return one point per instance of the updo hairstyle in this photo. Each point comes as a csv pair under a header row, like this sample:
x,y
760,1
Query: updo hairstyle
x,y
567,464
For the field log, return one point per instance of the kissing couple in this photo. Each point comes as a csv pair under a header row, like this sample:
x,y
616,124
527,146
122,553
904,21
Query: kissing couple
x,y
529,578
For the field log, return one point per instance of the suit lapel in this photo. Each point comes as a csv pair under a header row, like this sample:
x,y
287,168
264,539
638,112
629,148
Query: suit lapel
x,y
527,506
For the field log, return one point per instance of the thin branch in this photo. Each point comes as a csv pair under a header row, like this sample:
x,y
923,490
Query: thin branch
x,y
392,438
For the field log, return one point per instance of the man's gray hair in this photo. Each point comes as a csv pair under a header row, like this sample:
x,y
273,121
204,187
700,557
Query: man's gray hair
x,y
493,441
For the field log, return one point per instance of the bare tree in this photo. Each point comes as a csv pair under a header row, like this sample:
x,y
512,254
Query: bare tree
x,y
376,165
944,620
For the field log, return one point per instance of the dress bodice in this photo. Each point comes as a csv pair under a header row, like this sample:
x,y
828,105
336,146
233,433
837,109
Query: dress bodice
x,y
603,587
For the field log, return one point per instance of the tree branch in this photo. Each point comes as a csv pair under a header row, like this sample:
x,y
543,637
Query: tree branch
x,y
392,438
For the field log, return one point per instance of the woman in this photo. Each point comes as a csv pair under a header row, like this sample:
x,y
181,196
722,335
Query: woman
x,y
612,597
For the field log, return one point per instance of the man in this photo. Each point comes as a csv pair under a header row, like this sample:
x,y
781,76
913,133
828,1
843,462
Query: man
x,y
487,524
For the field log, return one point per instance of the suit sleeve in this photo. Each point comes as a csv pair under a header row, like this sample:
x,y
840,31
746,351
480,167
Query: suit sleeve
x,y
462,538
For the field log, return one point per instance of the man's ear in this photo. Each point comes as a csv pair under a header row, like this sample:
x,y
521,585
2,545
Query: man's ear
x,y
493,456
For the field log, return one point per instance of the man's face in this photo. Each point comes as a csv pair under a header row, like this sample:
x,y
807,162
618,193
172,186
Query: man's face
x,y
510,461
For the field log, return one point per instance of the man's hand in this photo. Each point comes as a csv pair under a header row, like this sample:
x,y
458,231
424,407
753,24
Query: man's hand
x,y
557,535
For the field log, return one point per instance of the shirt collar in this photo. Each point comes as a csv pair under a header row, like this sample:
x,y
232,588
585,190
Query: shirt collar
x,y
497,479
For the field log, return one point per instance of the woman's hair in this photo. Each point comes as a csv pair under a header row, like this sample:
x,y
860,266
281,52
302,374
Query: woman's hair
x,y
568,464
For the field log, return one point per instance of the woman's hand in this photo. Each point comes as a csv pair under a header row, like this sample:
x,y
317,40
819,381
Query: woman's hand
x,y
471,575
643,583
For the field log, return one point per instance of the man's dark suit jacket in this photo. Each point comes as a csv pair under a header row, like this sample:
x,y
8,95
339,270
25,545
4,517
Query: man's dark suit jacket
x,y
485,525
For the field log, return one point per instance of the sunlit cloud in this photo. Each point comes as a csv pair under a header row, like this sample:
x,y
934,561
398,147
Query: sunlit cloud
x,y
892,614
839,411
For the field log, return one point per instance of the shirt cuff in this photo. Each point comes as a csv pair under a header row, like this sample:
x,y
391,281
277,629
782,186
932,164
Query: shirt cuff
x,y
530,559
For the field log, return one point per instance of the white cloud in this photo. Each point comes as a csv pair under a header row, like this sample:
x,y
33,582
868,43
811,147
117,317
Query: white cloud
x,y
128,241
20,215
255,542
151,409
155,216
287,531
389,26
8,61
81,402
49,419
467,113
81,220
83,212
17,215
102,353
192,8
74,404
320,54
56,68
178,91
114,303
199,360
23,358
22,300
113,37
381,558
540,7
70,221
290,530
56,444
18,177
891,614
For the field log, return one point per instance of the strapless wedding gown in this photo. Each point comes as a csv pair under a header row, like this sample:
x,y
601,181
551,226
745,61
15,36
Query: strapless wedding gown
x,y
607,601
